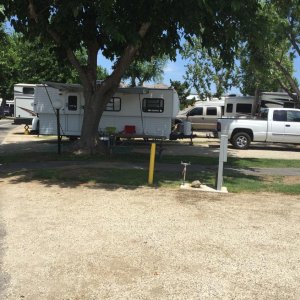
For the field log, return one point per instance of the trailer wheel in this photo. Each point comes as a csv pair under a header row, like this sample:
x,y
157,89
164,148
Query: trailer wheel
x,y
241,140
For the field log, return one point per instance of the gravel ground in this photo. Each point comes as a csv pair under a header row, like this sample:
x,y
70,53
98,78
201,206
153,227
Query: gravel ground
x,y
90,242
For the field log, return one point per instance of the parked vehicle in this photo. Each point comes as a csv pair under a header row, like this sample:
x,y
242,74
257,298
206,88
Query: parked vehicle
x,y
274,125
8,109
139,111
23,103
203,116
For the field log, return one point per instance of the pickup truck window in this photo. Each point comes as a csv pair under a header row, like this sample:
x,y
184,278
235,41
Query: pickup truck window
x,y
293,116
211,111
280,115
197,111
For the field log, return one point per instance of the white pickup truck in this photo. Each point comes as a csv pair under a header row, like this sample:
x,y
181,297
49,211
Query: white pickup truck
x,y
274,125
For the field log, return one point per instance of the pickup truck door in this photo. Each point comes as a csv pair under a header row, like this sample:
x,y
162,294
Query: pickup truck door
x,y
292,127
195,116
285,126
276,126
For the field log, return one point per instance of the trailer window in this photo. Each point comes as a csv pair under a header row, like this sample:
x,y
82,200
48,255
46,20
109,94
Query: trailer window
x,y
155,105
293,116
279,115
72,103
229,108
114,104
244,108
211,111
28,90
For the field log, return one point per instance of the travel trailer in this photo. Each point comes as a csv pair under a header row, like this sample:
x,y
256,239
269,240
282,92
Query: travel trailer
x,y
23,103
138,111
238,106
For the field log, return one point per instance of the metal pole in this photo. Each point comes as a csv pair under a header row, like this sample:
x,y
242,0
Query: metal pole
x,y
222,159
58,132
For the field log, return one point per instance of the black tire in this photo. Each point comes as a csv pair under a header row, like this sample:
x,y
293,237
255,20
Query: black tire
x,y
241,140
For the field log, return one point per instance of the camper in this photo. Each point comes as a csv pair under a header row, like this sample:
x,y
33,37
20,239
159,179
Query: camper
x,y
23,103
139,111
238,106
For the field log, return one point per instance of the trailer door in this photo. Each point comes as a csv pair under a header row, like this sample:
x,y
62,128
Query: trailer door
x,y
73,112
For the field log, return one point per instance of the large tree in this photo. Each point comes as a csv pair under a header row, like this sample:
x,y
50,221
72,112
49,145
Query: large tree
x,y
206,70
140,72
267,59
124,31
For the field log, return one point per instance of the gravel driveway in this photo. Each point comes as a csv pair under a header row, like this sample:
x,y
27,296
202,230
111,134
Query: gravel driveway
x,y
90,242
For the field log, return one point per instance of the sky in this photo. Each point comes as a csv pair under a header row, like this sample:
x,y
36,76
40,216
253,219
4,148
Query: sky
x,y
176,70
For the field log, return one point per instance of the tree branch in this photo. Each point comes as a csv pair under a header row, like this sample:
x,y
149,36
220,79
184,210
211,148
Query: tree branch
x,y
288,76
126,58
57,38
288,91
292,39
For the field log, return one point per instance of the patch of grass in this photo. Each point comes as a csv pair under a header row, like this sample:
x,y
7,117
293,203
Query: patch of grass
x,y
271,184
235,183
144,157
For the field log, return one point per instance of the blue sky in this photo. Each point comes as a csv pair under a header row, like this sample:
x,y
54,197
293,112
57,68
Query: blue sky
x,y
176,70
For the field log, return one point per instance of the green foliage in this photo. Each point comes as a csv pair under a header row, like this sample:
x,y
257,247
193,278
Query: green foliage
x,y
267,48
142,71
206,67
183,90
33,61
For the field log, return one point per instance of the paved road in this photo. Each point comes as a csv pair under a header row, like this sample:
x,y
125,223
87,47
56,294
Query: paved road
x,y
5,127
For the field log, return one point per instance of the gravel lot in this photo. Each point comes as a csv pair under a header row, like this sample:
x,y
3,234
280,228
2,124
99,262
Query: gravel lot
x,y
89,242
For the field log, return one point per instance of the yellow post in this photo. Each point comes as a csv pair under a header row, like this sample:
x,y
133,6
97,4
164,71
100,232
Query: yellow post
x,y
151,165
26,127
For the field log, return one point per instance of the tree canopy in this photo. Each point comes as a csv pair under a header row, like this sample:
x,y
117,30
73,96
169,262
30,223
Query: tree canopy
x,y
205,68
125,31
267,59
143,71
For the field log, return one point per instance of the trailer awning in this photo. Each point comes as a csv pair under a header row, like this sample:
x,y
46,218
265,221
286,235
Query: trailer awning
x,y
65,86
78,88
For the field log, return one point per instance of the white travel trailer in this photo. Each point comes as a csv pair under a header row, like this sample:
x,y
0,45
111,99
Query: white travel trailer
x,y
23,103
138,111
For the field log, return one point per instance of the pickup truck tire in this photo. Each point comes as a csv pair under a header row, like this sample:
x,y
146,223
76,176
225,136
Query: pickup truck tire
x,y
241,140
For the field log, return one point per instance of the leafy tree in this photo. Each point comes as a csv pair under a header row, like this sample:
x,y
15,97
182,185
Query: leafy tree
x,y
34,62
37,62
183,90
142,71
267,59
124,31
7,65
206,68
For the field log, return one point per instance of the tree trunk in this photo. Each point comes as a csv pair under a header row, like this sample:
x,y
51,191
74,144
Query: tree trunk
x,y
95,102
291,81
256,102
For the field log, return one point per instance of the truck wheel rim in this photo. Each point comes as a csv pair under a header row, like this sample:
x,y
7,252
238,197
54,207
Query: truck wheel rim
x,y
241,141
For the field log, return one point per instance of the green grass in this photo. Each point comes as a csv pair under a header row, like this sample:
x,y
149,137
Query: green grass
x,y
235,183
141,157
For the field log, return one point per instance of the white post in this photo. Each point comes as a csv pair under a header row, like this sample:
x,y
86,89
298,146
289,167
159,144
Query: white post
x,y
222,159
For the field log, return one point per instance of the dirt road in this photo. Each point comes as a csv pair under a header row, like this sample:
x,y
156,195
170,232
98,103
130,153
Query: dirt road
x,y
93,242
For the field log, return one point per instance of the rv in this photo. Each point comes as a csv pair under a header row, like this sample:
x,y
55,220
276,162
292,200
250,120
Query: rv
x,y
139,111
23,103
238,106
